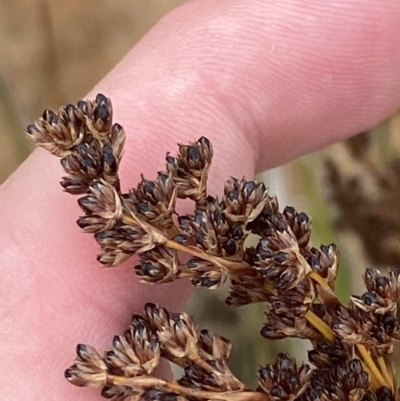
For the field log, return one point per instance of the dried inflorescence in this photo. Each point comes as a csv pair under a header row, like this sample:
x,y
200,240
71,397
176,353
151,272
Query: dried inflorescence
x,y
351,358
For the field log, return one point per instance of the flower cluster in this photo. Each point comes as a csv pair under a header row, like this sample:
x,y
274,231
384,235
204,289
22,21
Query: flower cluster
x,y
351,358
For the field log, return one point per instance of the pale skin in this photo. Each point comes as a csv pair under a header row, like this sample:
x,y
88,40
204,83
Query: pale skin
x,y
265,81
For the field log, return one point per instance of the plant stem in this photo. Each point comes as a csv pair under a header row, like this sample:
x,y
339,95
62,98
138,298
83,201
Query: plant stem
x,y
325,330
321,281
151,382
383,368
229,265
321,326
373,382
366,357
393,371
233,267
329,335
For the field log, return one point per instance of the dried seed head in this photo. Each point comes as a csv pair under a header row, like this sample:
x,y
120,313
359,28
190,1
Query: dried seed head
x,y
346,327
377,332
279,327
268,219
347,381
159,265
386,286
154,201
195,157
156,316
102,113
201,228
283,380
295,302
83,136
246,289
189,170
300,225
89,369
118,244
280,260
213,378
371,302
213,347
83,166
137,352
117,141
122,393
325,262
205,274
293,278
102,207
244,200
326,355
179,337
59,133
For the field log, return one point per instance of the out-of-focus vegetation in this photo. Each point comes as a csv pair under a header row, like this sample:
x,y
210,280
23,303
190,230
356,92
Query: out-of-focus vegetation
x,y
53,52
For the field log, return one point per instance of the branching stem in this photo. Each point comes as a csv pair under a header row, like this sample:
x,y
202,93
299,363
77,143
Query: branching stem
x,y
382,378
151,383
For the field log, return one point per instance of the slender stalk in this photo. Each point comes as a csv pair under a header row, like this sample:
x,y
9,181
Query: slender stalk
x,y
321,281
321,326
374,383
384,370
232,266
365,355
329,335
151,383
394,375
325,330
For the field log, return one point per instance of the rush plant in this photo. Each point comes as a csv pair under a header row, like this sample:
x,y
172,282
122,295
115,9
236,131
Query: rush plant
x,y
352,345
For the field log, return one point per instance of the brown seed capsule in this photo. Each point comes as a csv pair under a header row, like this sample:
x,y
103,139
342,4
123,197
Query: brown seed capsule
x,y
179,337
283,380
137,352
89,369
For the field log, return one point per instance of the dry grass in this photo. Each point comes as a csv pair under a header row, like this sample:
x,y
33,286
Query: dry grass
x,y
53,52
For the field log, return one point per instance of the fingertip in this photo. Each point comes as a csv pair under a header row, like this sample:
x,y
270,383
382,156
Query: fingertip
x,y
281,79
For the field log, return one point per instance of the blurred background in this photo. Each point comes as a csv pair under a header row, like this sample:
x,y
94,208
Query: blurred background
x,y
49,57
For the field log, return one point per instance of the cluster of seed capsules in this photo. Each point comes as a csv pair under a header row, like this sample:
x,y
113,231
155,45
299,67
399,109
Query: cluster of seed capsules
x,y
352,350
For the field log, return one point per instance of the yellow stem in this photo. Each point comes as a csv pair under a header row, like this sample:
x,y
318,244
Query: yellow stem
x,y
384,370
329,335
394,375
128,219
320,280
373,382
325,330
365,355
269,286
321,326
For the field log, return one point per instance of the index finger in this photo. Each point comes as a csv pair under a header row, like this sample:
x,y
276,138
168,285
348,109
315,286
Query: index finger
x,y
264,81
